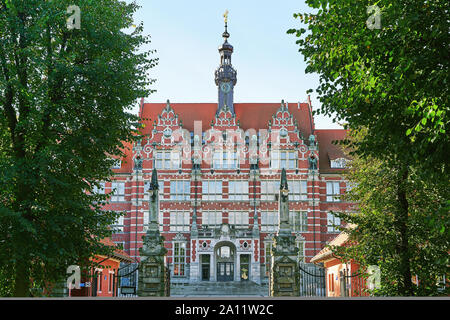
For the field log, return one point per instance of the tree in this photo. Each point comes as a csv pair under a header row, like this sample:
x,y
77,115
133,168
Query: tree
x,y
64,94
379,236
385,68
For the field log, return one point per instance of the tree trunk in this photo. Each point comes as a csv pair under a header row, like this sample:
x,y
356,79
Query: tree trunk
x,y
22,281
405,287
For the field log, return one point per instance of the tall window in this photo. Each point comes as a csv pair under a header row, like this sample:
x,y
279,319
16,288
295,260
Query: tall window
x,y
238,190
212,219
212,190
333,222
179,221
118,191
225,160
100,189
301,250
180,190
298,220
168,159
117,164
333,191
160,189
269,221
267,256
118,226
179,259
297,190
280,159
238,219
271,188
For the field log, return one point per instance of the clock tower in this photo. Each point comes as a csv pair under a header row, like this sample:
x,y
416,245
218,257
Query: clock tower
x,y
225,75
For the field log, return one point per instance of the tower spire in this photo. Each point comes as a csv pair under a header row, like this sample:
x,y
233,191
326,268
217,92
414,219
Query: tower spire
x,y
225,75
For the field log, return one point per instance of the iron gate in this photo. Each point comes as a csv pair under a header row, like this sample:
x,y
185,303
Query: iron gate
x,y
312,280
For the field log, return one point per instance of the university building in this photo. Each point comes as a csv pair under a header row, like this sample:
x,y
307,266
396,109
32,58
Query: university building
x,y
218,168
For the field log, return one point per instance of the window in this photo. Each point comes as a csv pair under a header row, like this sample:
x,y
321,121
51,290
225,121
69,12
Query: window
x,y
225,160
333,222
211,219
269,221
298,221
340,163
118,191
280,159
160,189
179,259
99,190
297,190
271,188
212,190
301,250
267,256
333,191
238,219
168,159
118,226
238,190
117,164
179,221
180,190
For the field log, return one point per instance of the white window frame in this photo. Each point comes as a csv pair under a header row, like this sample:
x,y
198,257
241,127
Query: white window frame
x,y
238,190
117,191
223,159
180,190
212,218
333,191
269,188
269,221
212,185
167,160
280,159
179,258
179,221
238,219
333,223
268,245
101,190
298,220
298,190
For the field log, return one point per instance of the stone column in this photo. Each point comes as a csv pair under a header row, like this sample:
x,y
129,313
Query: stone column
x,y
153,276
284,279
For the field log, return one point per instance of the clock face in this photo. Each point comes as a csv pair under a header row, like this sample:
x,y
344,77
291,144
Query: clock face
x,y
225,87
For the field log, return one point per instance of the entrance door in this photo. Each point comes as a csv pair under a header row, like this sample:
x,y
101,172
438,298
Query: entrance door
x,y
225,271
205,258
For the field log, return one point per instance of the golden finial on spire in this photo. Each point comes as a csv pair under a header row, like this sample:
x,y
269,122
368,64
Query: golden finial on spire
x,y
225,15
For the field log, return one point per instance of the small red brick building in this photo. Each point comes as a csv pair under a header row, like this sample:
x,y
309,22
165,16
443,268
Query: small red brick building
x,y
102,280
342,279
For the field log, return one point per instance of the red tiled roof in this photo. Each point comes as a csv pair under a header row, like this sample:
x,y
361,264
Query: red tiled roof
x,y
250,115
118,253
327,150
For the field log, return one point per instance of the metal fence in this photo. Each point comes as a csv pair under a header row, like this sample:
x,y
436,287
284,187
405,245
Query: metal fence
x,y
312,280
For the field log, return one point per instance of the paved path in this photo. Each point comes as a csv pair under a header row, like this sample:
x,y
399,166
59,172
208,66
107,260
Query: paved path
x,y
220,289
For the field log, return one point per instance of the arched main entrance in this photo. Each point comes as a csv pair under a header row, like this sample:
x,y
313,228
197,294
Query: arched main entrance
x,y
225,253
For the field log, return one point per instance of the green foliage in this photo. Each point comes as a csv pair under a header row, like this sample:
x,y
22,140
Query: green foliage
x,y
394,80
377,238
64,101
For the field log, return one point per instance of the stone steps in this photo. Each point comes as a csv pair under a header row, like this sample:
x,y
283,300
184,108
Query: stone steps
x,y
229,289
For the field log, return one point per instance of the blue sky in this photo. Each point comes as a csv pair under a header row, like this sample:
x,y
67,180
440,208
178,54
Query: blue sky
x,y
187,34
